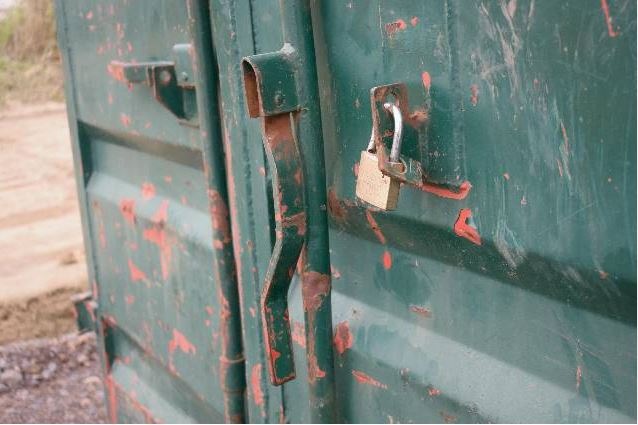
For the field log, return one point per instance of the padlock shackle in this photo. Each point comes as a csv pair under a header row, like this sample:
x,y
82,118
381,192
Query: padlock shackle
x,y
395,152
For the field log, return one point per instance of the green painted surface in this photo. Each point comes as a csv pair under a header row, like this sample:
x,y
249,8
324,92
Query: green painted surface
x,y
515,303
156,222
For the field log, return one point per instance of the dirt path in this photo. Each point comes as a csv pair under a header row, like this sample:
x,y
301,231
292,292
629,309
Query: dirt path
x,y
41,254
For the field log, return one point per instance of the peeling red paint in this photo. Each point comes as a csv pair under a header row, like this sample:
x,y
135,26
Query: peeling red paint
x,y
506,176
299,334
393,27
433,392
335,206
168,179
427,80
129,299
448,419
157,235
135,272
387,260
342,337
219,213
111,396
375,227
148,191
336,274
181,342
362,378
610,28
209,310
127,208
603,274
444,192
579,376
421,311
474,94
565,138
414,21
255,385
89,15
125,120
315,288
464,230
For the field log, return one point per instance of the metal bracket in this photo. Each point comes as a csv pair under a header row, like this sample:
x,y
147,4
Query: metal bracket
x,y
172,83
271,94
406,170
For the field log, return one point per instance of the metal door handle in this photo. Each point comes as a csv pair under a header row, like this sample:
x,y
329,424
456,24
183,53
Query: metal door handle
x,y
278,110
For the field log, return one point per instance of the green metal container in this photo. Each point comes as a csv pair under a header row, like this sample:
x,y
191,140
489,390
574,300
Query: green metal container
x,y
238,277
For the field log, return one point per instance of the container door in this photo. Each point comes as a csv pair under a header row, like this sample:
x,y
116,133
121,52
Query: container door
x,y
503,286
141,94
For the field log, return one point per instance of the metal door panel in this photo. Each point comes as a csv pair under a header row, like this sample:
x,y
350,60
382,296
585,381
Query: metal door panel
x,y
156,223
532,316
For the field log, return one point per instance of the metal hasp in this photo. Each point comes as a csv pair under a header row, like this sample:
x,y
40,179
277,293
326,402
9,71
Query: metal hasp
x,y
272,92
403,168
171,82
277,105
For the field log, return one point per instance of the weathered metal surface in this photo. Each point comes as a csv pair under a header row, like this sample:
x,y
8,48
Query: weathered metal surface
x,y
506,290
153,197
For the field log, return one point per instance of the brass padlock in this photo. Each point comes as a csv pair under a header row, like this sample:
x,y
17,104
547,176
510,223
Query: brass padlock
x,y
373,186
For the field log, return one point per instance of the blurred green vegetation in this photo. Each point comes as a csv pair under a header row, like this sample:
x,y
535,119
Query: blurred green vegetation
x,y
30,69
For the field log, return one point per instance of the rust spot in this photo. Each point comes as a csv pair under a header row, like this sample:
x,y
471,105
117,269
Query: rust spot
x,y
127,209
414,21
219,213
255,385
387,260
342,337
375,227
427,80
315,288
444,192
135,273
396,26
433,392
474,94
362,378
421,311
610,27
148,190
298,220
448,419
464,230
335,206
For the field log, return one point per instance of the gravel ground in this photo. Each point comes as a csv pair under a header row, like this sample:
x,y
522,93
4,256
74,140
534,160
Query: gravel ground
x,y
52,381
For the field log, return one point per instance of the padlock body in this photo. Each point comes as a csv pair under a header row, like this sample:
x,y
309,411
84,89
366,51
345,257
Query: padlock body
x,y
373,186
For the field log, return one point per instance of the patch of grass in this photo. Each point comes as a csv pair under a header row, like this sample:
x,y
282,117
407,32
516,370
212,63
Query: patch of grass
x,y
30,69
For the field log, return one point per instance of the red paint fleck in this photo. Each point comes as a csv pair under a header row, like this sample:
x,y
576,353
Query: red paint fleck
x,y
129,299
433,392
181,342
342,337
89,15
565,138
168,179
464,230
610,28
209,310
506,176
474,94
129,46
135,272
375,227
355,169
603,274
414,21
448,419
427,80
362,378
387,260
110,99
125,120
523,201
127,208
579,376
148,190
112,396
255,385
336,274
299,334
421,311
560,168
157,235
393,27
444,192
